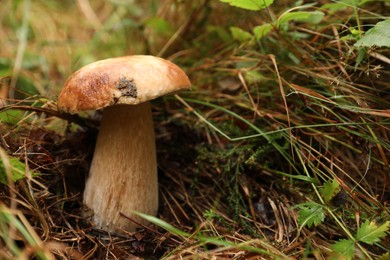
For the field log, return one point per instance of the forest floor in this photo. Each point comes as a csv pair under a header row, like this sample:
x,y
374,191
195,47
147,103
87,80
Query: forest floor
x,y
279,151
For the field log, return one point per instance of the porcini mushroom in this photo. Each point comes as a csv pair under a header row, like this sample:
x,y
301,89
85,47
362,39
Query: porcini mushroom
x,y
123,173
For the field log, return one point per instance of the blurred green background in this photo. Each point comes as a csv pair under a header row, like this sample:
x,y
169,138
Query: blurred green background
x,y
43,42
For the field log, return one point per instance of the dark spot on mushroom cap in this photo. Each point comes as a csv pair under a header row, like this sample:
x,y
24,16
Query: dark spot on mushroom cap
x,y
127,87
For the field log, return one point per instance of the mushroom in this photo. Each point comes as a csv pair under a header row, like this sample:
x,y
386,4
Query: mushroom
x,y
123,172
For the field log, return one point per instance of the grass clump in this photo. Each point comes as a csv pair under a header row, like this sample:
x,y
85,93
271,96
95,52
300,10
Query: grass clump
x,y
280,150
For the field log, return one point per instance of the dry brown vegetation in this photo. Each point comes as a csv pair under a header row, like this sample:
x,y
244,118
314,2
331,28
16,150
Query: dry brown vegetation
x,y
244,156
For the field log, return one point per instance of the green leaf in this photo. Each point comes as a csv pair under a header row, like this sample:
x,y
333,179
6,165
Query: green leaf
x,y
351,3
330,189
11,116
253,76
343,4
362,54
18,170
310,214
379,36
345,247
370,232
26,88
262,30
239,34
334,7
302,16
253,5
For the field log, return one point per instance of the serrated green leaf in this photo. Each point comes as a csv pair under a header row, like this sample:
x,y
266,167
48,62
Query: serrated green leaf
x,y
253,5
262,30
310,214
370,232
239,34
18,170
330,189
302,16
345,247
379,36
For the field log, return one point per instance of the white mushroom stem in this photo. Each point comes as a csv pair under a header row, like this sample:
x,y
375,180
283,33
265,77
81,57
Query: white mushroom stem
x,y
123,174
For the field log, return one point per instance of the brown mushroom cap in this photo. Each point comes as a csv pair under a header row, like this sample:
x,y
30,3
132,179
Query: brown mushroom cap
x,y
125,80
